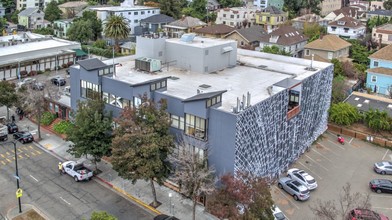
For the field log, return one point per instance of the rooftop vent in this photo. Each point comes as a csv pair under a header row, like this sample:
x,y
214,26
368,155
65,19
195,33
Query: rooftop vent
x,y
390,106
359,105
173,78
356,99
204,86
366,101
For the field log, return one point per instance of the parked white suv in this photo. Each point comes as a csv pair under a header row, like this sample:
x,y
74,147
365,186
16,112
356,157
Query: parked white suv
x,y
303,177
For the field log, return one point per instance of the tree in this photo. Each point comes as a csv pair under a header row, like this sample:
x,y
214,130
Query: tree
x,y
358,52
171,7
376,21
14,16
96,24
313,31
142,143
8,96
197,9
245,190
337,67
275,50
329,210
192,172
294,7
349,70
388,4
92,131
230,3
116,27
52,12
377,120
339,89
44,31
344,114
102,215
80,31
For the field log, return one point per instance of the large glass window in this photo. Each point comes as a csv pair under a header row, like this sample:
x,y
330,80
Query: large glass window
x,y
89,90
177,122
195,126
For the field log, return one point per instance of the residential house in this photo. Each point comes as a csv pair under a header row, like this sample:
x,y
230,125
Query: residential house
x,y
32,18
379,75
328,6
344,12
153,24
186,24
271,17
2,10
361,5
379,13
327,48
61,27
376,5
382,34
364,102
132,13
287,38
277,110
266,3
70,9
299,22
247,38
214,31
347,27
23,4
237,17
128,48
213,5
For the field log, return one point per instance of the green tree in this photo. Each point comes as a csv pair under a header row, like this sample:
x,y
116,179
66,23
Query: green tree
x,y
100,44
171,8
376,21
81,31
313,31
275,50
388,4
196,9
102,215
116,27
248,191
378,120
96,24
337,67
344,114
92,131
3,22
44,31
294,7
14,16
230,3
8,95
142,144
52,12
358,52
339,89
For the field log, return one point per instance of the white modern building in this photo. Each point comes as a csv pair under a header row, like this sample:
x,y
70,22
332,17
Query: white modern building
x,y
133,13
20,4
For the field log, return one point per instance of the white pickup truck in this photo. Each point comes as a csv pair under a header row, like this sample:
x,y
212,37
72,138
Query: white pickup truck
x,y
77,170
3,130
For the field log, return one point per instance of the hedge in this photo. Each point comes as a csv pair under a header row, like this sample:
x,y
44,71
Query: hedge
x,y
62,127
47,118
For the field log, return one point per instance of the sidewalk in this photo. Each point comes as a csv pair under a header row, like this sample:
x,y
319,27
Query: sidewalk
x,y
140,192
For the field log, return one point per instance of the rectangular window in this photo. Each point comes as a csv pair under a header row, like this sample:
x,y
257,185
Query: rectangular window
x,y
195,126
100,72
375,63
137,101
136,13
105,97
152,87
175,121
307,52
374,79
231,16
330,55
136,21
142,13
89,90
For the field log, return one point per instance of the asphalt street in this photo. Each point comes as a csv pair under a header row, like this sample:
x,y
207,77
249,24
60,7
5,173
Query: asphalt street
x,y
58,196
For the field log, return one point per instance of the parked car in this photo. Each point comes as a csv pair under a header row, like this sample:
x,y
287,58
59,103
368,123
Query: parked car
x,y
294,188
23,137
277,213
381,185
38,86
165,217
25,82
303,177
58,81
365,214
12,127
384,167
3,132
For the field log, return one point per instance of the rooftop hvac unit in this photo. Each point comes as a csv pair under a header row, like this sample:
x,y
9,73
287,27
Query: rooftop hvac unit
x,y
148,64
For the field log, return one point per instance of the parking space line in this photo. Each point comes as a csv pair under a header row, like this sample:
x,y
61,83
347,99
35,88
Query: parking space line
x,y
316,162
336,144
324,157
381,196
288,199
351,140
314,173
385,154
337,155
388,208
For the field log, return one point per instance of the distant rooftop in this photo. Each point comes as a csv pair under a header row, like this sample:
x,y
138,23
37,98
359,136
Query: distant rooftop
x,y
256,74
365,102
121,8
381,12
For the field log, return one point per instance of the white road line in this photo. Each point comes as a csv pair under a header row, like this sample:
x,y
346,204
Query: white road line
x,y
351,140
337,155
324,157
380,196
314,173
336,144
385,154
65,200
316,163
382,208
33,178
288,199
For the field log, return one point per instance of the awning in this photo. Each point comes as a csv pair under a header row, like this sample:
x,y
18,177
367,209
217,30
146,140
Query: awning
x,y
79,52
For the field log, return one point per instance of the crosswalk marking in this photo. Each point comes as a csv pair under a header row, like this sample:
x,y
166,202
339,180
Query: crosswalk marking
x,y
33,153
20,150
31,147
26,155
3,162
20,156
2,155
38,152
9,161
8,153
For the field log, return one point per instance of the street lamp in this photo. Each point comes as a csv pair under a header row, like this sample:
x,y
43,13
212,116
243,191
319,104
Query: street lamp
x,y
170,196
16,170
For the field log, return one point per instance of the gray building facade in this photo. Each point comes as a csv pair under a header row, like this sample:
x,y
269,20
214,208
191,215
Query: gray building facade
x,y
258,115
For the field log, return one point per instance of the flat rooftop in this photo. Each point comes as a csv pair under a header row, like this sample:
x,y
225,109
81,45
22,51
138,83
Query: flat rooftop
x,y
201,42
256,74
121,8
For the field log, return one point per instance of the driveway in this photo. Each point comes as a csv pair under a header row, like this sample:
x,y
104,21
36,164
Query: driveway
x,y
333,165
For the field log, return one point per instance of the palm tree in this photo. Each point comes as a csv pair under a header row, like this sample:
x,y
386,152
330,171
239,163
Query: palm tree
x,y
116,27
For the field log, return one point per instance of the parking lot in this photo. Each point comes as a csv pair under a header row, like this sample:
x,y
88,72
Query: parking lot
x,y
333,165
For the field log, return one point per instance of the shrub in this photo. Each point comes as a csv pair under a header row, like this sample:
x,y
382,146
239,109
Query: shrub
x,y
344,114
64,65
62,127
378,120
100,44
47,70
47,118
40,72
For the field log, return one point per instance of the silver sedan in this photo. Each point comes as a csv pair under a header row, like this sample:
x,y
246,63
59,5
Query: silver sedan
x,y
294,188
384,167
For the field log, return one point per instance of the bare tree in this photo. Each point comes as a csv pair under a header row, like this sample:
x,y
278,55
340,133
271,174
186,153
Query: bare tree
x,y
192,172
331,210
